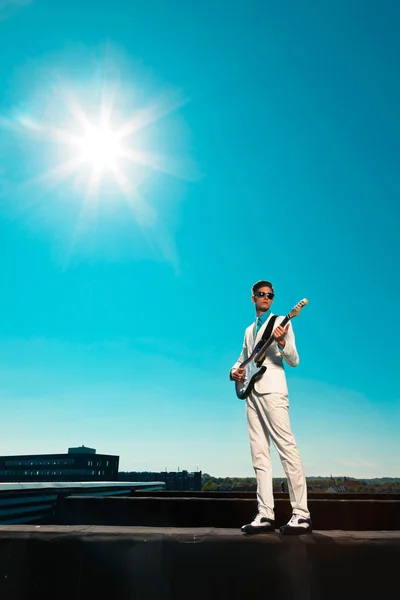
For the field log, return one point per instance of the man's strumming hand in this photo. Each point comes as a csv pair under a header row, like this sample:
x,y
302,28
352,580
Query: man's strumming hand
x,y
237,374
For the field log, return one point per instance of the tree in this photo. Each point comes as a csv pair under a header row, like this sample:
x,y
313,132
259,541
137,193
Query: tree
x,y
209,486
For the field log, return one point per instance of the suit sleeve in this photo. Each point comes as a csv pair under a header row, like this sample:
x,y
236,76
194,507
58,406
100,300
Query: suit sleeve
x,y
242,357
289,352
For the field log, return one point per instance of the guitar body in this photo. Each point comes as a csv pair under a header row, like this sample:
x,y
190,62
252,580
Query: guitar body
x,y
253,366
253,372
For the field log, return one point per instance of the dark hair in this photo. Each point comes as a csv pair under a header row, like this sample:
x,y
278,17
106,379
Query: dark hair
x,y
259,284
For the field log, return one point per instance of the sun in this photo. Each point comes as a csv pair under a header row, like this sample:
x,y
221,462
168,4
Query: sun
x,y
100,147
101,138
101,144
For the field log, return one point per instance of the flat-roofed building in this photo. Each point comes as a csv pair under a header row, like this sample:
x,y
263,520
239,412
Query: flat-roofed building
x,y
79,464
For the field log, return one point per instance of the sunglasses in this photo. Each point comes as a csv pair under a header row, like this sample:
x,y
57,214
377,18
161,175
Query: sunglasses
x,y
269,295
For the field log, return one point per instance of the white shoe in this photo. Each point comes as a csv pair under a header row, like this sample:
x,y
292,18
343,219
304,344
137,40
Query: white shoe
x,y
297,525
260,524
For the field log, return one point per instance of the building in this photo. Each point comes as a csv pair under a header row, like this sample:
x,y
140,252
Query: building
x,y
174,480
345,485
80,464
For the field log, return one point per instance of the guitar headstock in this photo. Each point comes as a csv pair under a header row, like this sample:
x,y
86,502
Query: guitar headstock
x,y
296,309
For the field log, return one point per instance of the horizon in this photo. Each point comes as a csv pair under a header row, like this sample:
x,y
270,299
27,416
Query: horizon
x,y
156,164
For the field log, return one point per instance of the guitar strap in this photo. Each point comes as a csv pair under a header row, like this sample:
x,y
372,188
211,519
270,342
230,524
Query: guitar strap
x,y
268,330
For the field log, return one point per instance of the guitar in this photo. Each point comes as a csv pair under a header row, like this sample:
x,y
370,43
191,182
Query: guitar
x,y
254,369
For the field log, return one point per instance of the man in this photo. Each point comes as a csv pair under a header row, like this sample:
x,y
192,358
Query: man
x,y
267,409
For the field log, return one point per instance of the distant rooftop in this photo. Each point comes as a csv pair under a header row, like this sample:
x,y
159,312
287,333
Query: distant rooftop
x,y
81,450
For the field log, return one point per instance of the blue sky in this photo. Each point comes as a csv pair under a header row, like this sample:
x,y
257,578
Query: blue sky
x,y
270,140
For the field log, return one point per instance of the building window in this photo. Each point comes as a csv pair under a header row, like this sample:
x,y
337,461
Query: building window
x,y
39,462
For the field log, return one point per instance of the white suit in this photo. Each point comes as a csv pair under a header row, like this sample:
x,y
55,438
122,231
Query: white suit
x,y
267,409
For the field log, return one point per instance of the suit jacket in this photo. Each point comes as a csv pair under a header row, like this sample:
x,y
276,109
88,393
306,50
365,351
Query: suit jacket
x,y
273,380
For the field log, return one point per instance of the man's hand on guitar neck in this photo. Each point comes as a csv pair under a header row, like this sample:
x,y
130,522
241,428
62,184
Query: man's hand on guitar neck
x,y
279,335
237,374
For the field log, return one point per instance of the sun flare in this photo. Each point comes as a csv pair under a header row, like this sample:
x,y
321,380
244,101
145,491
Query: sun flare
x,y
103,147
95,143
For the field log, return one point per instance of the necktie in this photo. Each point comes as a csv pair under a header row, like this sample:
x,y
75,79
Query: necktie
x,y
258,326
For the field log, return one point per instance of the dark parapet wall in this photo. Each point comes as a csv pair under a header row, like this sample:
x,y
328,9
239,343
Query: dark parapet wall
x,y
198,511
194,564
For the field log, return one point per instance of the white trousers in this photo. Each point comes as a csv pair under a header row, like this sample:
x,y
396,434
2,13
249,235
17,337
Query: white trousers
x,y
268,419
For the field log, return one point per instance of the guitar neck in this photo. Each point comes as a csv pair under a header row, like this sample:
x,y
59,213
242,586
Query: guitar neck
x,y
269,341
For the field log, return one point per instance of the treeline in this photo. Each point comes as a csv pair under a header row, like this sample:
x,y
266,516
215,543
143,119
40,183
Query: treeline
x,y
314,484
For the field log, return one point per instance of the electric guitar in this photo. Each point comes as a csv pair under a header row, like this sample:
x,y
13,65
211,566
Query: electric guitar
x,y
254,369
